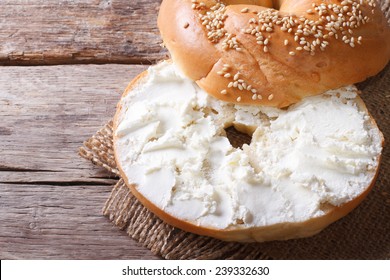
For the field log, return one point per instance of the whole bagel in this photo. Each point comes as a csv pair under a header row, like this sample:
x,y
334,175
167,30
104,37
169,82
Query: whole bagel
x,y
274,53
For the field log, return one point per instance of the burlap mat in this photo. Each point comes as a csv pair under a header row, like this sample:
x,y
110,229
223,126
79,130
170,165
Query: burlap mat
x,y
363,234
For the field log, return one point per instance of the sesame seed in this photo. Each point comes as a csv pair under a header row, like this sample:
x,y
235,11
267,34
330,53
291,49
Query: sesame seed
x,y
270,97
338,20
239,99
224,91
227,75
186,25
291,53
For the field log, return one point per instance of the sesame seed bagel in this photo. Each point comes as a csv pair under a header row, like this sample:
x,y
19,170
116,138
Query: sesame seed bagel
x,y
274,53
305,167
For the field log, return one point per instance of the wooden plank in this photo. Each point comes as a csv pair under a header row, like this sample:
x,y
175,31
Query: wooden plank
x,y
36,32
50,198
61,222
46,114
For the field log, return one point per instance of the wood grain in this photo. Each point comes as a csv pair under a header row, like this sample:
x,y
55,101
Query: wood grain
x,y
61,222
50,198
37,32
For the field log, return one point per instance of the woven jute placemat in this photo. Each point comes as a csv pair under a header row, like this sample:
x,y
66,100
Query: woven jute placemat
x,y
363,234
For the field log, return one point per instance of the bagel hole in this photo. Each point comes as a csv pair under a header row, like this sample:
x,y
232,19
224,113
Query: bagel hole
x,y
237,138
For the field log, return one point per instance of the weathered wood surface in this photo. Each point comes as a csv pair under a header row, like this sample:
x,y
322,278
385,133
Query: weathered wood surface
x,y
51,199
36,32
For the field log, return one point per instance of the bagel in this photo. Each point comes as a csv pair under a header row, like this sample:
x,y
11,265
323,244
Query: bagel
x,y
249,53
305,167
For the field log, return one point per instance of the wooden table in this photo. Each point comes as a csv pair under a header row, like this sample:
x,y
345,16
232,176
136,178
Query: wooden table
x,y
53,96
64,65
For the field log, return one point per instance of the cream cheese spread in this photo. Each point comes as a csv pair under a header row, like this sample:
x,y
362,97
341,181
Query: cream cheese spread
x,y
172,145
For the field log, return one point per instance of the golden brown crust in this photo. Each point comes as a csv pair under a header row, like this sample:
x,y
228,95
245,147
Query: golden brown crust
x,y
282,231
279,77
